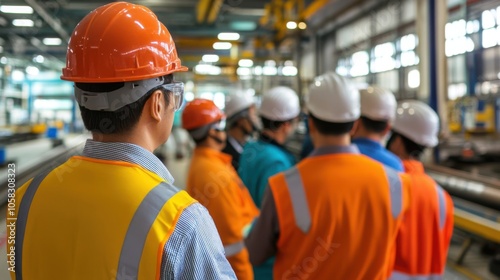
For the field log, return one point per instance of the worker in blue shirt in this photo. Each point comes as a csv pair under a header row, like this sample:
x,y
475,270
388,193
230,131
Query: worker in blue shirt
x,y
378,109
267,156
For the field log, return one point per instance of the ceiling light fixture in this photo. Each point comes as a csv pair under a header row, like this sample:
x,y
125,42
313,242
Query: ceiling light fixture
x,y
222,45
228,36
291,25
52,41
302,25
8,9
245,63
210,58
23,22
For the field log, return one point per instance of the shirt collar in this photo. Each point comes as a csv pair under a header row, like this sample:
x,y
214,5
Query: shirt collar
x,y
267,139
127,152
413,166
236,145
367,142
351,149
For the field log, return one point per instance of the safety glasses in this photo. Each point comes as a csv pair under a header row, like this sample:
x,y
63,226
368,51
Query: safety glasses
x,y
177,89
220,125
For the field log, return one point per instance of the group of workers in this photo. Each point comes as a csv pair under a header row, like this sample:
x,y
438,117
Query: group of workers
x,y
351,209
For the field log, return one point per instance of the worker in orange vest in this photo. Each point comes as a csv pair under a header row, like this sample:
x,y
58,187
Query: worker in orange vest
x,y
424,238
336,214
213,181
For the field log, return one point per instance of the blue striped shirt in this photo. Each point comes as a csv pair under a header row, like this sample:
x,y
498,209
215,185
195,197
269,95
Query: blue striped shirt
x,y
194,250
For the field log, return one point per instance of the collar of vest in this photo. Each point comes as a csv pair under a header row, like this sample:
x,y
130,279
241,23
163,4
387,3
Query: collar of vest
x,y
413,166
212,153
328,150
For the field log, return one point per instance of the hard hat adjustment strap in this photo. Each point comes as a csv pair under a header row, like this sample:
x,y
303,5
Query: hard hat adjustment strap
x,y
114,100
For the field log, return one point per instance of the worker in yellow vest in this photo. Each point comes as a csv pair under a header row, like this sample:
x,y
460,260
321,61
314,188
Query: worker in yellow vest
x,y
113,213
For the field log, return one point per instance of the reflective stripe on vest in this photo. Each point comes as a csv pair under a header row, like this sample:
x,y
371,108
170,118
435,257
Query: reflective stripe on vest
x,y
141,223
403,276
299,199
135,238
301,208
442,207
233,249
22,218
395,191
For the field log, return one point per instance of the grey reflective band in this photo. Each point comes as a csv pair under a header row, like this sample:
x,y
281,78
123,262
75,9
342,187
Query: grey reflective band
x,y
442,207
22,218
403,276
233,249
395,191
351,149
139,227
299,199
114,100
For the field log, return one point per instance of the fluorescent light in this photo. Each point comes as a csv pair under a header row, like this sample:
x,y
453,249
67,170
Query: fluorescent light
x,y
413,79
243,71
228,36
23,22
16,9
270,63
207,69
39,59
17,76
222,45
52,41
210,58
289,71
245,63
291,25
3,60
302,25
189,96
269,70
32,70
257,70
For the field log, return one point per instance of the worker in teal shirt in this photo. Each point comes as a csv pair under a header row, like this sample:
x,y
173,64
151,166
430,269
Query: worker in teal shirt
x,y
267,156
378,110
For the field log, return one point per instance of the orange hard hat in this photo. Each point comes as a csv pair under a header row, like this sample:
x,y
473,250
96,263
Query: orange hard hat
x,y
120,42
199,113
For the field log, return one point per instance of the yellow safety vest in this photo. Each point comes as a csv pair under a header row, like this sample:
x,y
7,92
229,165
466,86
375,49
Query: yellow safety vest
x,y
95,219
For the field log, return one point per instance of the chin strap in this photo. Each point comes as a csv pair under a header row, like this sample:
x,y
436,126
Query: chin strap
x,y
217,139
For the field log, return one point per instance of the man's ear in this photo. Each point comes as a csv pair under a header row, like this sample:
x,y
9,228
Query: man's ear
x,y
156,105
355,127
312,127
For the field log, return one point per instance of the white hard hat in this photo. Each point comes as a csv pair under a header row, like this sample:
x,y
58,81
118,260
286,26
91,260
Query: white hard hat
x,y
418,122
280,104
333,98
237,102
378,104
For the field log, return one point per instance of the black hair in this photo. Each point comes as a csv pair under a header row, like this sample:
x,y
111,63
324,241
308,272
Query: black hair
x,y
272,125
330,128
411,148
121,120
373,125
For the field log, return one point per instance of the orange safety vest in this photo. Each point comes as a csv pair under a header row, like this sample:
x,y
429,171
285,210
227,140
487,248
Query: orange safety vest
x,y
213,181
339,213
424,237
95,219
